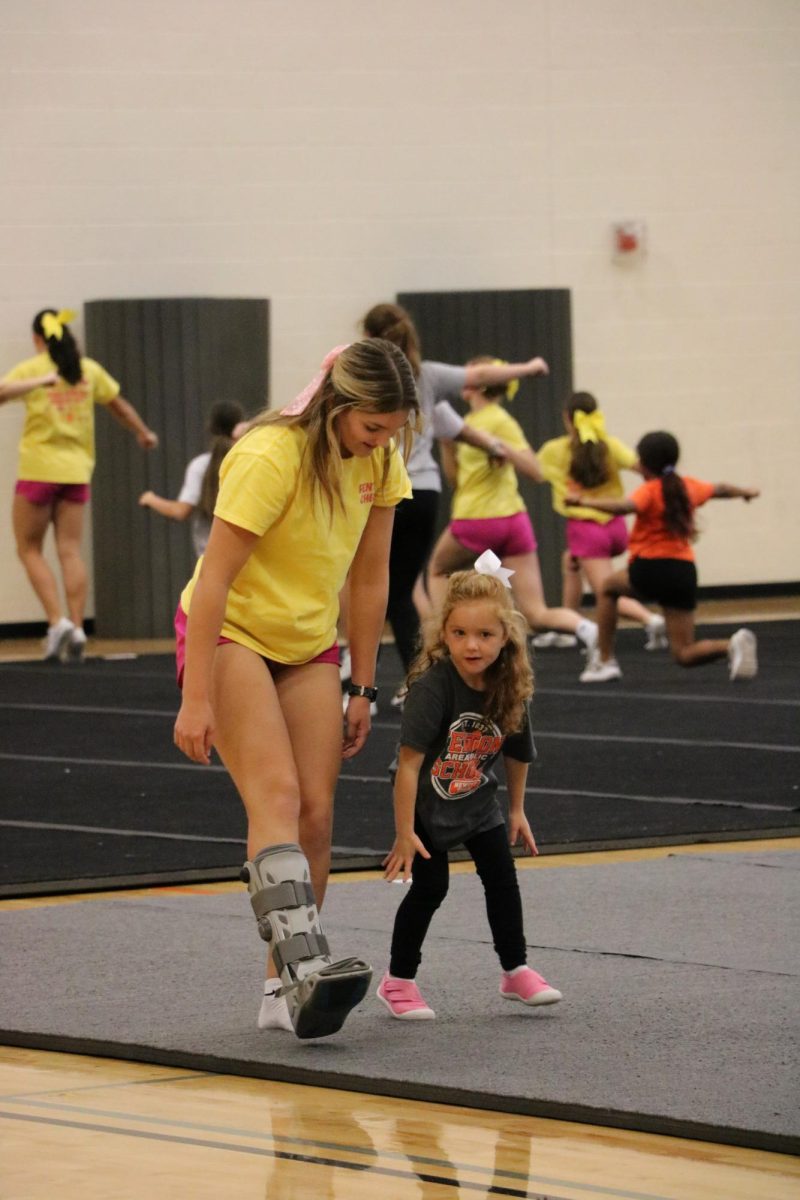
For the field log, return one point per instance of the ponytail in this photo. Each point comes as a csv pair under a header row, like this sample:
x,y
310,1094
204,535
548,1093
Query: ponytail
x,y
222,421
394,324
589,463
208,493
52,327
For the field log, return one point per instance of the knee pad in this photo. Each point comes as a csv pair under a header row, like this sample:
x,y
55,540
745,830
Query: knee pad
x,y
319,993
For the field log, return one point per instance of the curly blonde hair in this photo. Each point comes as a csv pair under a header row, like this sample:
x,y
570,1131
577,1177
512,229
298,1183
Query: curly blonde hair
x,y
371,376
509,680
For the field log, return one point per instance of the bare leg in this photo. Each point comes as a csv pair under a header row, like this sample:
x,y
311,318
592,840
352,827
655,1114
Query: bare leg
x,y
422,601
616,585
68,521
598,571
571,582
448,556
285,778
526,586
30,523
685,650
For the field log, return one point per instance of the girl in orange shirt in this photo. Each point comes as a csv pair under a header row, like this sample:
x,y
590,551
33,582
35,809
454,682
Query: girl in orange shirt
x,y
661,567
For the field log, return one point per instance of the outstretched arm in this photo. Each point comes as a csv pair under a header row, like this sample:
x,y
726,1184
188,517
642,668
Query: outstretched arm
x,y
621,507
523,461
729,491
490,374
176,510
13,389
128,417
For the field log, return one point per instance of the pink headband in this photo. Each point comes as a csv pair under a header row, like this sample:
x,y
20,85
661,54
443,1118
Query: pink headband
x,y
301,400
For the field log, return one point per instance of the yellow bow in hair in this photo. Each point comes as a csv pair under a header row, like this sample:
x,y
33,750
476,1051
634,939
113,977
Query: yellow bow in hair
x,y
590,427
53,323
512,387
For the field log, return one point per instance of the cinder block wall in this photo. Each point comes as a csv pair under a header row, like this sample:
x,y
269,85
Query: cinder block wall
x,y
332,153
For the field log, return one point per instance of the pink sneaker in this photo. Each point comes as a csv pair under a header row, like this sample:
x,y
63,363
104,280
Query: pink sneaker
x,y
528,987
403,999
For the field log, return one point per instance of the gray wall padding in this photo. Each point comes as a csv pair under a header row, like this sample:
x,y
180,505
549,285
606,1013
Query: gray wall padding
x,y
514,325
174,359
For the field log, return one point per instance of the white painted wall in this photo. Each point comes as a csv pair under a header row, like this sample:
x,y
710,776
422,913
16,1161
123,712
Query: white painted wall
x,y
329,153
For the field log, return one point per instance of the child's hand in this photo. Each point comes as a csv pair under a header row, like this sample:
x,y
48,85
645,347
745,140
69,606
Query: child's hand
x,y
572,496
520,831
401,856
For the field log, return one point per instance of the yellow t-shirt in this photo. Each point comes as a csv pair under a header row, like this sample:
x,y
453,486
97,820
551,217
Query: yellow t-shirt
x,y
57,444
285,600
484,490
555,457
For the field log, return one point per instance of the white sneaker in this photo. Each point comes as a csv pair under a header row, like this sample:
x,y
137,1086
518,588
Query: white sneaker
x,y
373,705
743,655
345,666
597,671
656,634
588,632
55,642
399,698
76,646
558,641
274,1012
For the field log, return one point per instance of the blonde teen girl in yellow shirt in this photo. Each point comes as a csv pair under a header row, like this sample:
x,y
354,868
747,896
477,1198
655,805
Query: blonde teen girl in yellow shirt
x,y
306,496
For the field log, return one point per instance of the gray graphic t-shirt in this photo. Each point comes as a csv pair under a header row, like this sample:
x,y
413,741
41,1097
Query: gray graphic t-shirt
x,y
443,718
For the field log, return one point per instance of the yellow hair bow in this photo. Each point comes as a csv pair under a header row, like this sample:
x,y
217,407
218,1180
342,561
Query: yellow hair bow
x,y
53,323
590,427
512,387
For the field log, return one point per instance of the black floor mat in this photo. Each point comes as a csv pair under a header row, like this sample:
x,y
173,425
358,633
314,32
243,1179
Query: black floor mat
x,y
95,794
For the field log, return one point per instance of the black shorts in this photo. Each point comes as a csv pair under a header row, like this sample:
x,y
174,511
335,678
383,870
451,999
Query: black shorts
x,y
670,582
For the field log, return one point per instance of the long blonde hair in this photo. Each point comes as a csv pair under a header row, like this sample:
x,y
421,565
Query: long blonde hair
x,y
509,680
369,376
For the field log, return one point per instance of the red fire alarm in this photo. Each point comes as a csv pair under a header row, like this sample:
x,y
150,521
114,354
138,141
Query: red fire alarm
x,y
628,238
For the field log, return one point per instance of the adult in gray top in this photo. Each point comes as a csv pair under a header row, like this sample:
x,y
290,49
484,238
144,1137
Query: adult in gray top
x,y
415,520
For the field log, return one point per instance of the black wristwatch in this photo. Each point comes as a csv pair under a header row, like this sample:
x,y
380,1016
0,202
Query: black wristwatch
x,y
359,689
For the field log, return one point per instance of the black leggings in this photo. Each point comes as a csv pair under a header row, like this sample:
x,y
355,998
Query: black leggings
x,y
494,863
412,538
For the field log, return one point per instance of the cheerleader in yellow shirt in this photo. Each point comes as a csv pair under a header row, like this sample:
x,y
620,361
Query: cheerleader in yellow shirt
x,y
488,513
591,459
56,461
306,496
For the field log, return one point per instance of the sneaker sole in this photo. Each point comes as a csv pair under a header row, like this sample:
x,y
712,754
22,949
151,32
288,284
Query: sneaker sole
x,y
548,996
327,1004
418,1014
58,653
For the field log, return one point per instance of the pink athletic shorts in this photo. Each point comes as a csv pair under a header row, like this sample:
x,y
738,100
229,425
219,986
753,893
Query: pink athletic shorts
x,y
48,493
331,655
507,536
590,539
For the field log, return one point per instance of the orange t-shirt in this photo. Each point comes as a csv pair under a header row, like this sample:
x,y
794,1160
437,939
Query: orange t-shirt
x,y
650,538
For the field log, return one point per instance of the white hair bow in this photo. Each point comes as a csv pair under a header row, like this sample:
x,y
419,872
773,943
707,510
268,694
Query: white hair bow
x,y
489,564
